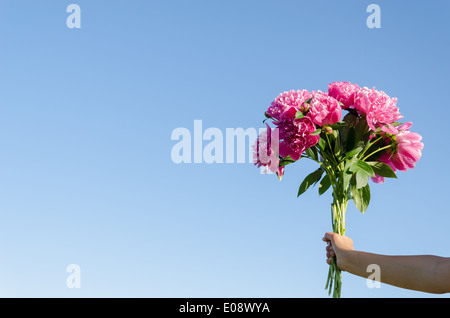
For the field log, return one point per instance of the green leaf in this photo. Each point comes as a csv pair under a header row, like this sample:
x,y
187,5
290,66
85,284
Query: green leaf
x,y
312,152
361,197
325,184
346,177
367,168
362,178
361,131
351,118
267,116
359,164
322,144
299,114
350,138
338,147
353,152
310,179
338,125
317,132
382,169
285,162
349,163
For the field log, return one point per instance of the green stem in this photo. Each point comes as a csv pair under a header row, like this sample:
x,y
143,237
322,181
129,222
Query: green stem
x,y
323,155
378,150
369,145
329,170
338,208
331,149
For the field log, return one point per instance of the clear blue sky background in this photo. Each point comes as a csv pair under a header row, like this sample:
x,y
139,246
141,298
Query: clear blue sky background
x,y
86,117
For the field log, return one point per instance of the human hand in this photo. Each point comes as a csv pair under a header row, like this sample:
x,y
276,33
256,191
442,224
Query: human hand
x,y
339,246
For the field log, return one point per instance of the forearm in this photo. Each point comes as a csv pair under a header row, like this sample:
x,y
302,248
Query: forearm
x,y
424,273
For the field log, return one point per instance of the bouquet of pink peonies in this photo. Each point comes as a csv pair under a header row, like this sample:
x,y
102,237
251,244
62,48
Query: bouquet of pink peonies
x,y
368,142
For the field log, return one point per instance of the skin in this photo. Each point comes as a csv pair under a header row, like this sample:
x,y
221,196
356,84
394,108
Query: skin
x,y
425,273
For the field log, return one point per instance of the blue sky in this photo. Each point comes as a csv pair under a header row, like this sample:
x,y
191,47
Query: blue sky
x,y
87,114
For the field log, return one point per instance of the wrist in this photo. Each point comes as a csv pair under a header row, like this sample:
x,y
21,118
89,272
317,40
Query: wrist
x,y
346,260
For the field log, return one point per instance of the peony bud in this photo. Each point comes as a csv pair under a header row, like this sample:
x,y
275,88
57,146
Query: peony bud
x,y
327,129
305,107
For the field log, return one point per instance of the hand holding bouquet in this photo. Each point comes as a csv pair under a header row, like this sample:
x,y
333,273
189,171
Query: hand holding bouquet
x,y
352,133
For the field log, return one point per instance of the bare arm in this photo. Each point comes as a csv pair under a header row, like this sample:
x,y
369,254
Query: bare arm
x,y
426,273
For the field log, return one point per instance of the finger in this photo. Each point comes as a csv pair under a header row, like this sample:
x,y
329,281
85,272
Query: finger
x,y
329,248
329,261
328,237
325,237
330,254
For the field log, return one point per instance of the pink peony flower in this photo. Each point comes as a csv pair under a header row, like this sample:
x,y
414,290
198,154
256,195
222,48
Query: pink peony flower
x,y
409,151
343,92
377,179
265,150
287,104
324,110
296,136
380,110
409,148
405,126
